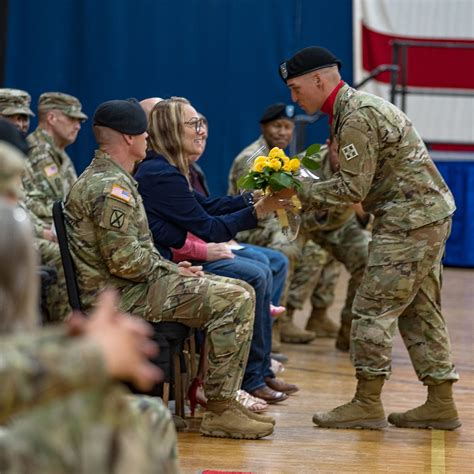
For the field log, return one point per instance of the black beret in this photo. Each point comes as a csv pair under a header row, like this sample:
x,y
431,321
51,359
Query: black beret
x,y
307,60
278,111
10,134
125,116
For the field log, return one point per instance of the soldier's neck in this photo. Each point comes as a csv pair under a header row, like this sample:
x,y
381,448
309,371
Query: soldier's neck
x,y
120,156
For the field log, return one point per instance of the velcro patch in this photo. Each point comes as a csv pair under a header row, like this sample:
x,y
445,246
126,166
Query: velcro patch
x,y
117,219
120,193
51,170
350,152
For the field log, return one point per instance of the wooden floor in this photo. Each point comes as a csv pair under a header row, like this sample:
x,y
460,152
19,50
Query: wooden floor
x,y
325,377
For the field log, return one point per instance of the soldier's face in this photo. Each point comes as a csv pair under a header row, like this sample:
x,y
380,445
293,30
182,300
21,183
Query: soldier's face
x,y
306,92
139,146
21,121
278,132
65,128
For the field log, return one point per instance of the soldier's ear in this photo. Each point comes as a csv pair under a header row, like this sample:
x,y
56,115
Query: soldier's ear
x,y
128,138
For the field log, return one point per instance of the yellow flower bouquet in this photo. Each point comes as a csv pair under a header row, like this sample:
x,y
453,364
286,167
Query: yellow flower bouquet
x,y
275,172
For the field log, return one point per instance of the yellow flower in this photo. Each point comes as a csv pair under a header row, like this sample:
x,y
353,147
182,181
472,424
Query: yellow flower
x,y
286,166
275,164
285,159
294,164
260,159
276,153
258,167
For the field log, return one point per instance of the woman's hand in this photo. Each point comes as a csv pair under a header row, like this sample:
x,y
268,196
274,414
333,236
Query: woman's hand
x,y
218,252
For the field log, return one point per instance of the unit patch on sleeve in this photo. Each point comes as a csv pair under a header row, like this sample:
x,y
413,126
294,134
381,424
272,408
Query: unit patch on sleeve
x,y
117,219
350,152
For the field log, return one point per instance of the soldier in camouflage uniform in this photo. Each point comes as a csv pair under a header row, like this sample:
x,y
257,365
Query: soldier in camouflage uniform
x,y
385,165
15,107
112,246
339,231
277,129
48,178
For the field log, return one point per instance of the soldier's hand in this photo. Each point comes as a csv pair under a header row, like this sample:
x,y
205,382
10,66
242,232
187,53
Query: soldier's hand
x,y
187,269
218,252
124,340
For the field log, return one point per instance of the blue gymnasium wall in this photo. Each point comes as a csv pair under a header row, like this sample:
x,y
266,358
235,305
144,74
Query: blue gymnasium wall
x,y
223,55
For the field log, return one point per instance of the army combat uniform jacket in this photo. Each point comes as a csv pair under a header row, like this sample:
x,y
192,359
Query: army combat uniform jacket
x,y
52,175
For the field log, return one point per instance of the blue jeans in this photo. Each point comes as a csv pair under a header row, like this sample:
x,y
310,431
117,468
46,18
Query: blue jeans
x,y
277,261
259,276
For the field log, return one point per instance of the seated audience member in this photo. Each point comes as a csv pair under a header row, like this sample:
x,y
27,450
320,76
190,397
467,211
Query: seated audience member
x,y
58,392
174,209
112,246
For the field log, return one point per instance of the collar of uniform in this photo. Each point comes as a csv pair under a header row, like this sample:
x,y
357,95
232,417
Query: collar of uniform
x,y
263,142
343,94
328,106
102,155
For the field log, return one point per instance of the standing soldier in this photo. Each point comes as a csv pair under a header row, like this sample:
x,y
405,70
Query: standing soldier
x,y
277,129
385,165
51,177
112,245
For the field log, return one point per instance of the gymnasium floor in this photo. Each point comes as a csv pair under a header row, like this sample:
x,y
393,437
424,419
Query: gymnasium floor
x,y
325,377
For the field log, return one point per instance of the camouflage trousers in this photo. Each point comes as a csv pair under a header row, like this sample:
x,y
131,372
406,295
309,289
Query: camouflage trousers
x,y
57,300
402,286
225,307
324,292
100,430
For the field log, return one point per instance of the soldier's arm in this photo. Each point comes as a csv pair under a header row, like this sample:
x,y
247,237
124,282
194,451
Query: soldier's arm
x,y
238,169
125,247
35,183
37,368
358,153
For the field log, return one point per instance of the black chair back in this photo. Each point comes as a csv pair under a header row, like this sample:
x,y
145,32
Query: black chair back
x,y
66,258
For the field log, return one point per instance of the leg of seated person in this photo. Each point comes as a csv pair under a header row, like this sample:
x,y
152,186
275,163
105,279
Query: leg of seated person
x,y
278,263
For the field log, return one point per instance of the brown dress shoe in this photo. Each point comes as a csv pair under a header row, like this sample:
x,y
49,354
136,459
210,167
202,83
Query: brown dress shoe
x,y
269,395
281,386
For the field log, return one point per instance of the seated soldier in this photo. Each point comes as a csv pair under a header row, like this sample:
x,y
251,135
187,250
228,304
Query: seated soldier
x,y
112,246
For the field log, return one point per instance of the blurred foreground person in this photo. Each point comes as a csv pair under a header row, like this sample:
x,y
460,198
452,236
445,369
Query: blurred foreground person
x,y
61,410
384,165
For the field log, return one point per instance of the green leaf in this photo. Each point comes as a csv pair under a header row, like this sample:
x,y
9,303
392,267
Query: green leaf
x,y
313,149
312,162
280,181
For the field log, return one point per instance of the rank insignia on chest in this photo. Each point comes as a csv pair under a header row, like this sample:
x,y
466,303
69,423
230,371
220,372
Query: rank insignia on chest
x,y
120,193
51,170
350,152
117,218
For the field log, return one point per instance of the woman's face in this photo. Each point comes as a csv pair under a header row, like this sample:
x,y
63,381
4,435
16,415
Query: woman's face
x,y
194,132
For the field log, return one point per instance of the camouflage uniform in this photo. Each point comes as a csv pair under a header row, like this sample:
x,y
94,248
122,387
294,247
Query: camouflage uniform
x,y
15,101
338,231
49,176
74,419
385,165
112,246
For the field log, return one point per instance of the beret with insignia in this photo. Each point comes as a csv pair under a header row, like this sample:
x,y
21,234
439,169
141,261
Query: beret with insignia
x,y
278,111
307,60
124,116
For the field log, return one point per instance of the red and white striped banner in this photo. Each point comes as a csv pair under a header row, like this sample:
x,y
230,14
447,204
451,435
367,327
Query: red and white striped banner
x,y
440,119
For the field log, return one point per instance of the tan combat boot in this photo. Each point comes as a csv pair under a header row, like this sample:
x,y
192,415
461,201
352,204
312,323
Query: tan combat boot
x,y
438,412
291,333
320,323
365,410
226,419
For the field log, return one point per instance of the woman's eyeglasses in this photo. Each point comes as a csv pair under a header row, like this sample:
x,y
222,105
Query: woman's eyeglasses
x,y
198,124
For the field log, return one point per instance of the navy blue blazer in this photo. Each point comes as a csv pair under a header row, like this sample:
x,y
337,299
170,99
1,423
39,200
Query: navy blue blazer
x,y
173,209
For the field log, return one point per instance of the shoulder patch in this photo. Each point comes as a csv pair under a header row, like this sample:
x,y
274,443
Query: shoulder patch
x,y
120,193
350,152
51,170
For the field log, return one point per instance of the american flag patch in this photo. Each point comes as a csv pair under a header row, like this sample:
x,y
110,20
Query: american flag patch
x,y
120,193
51,170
